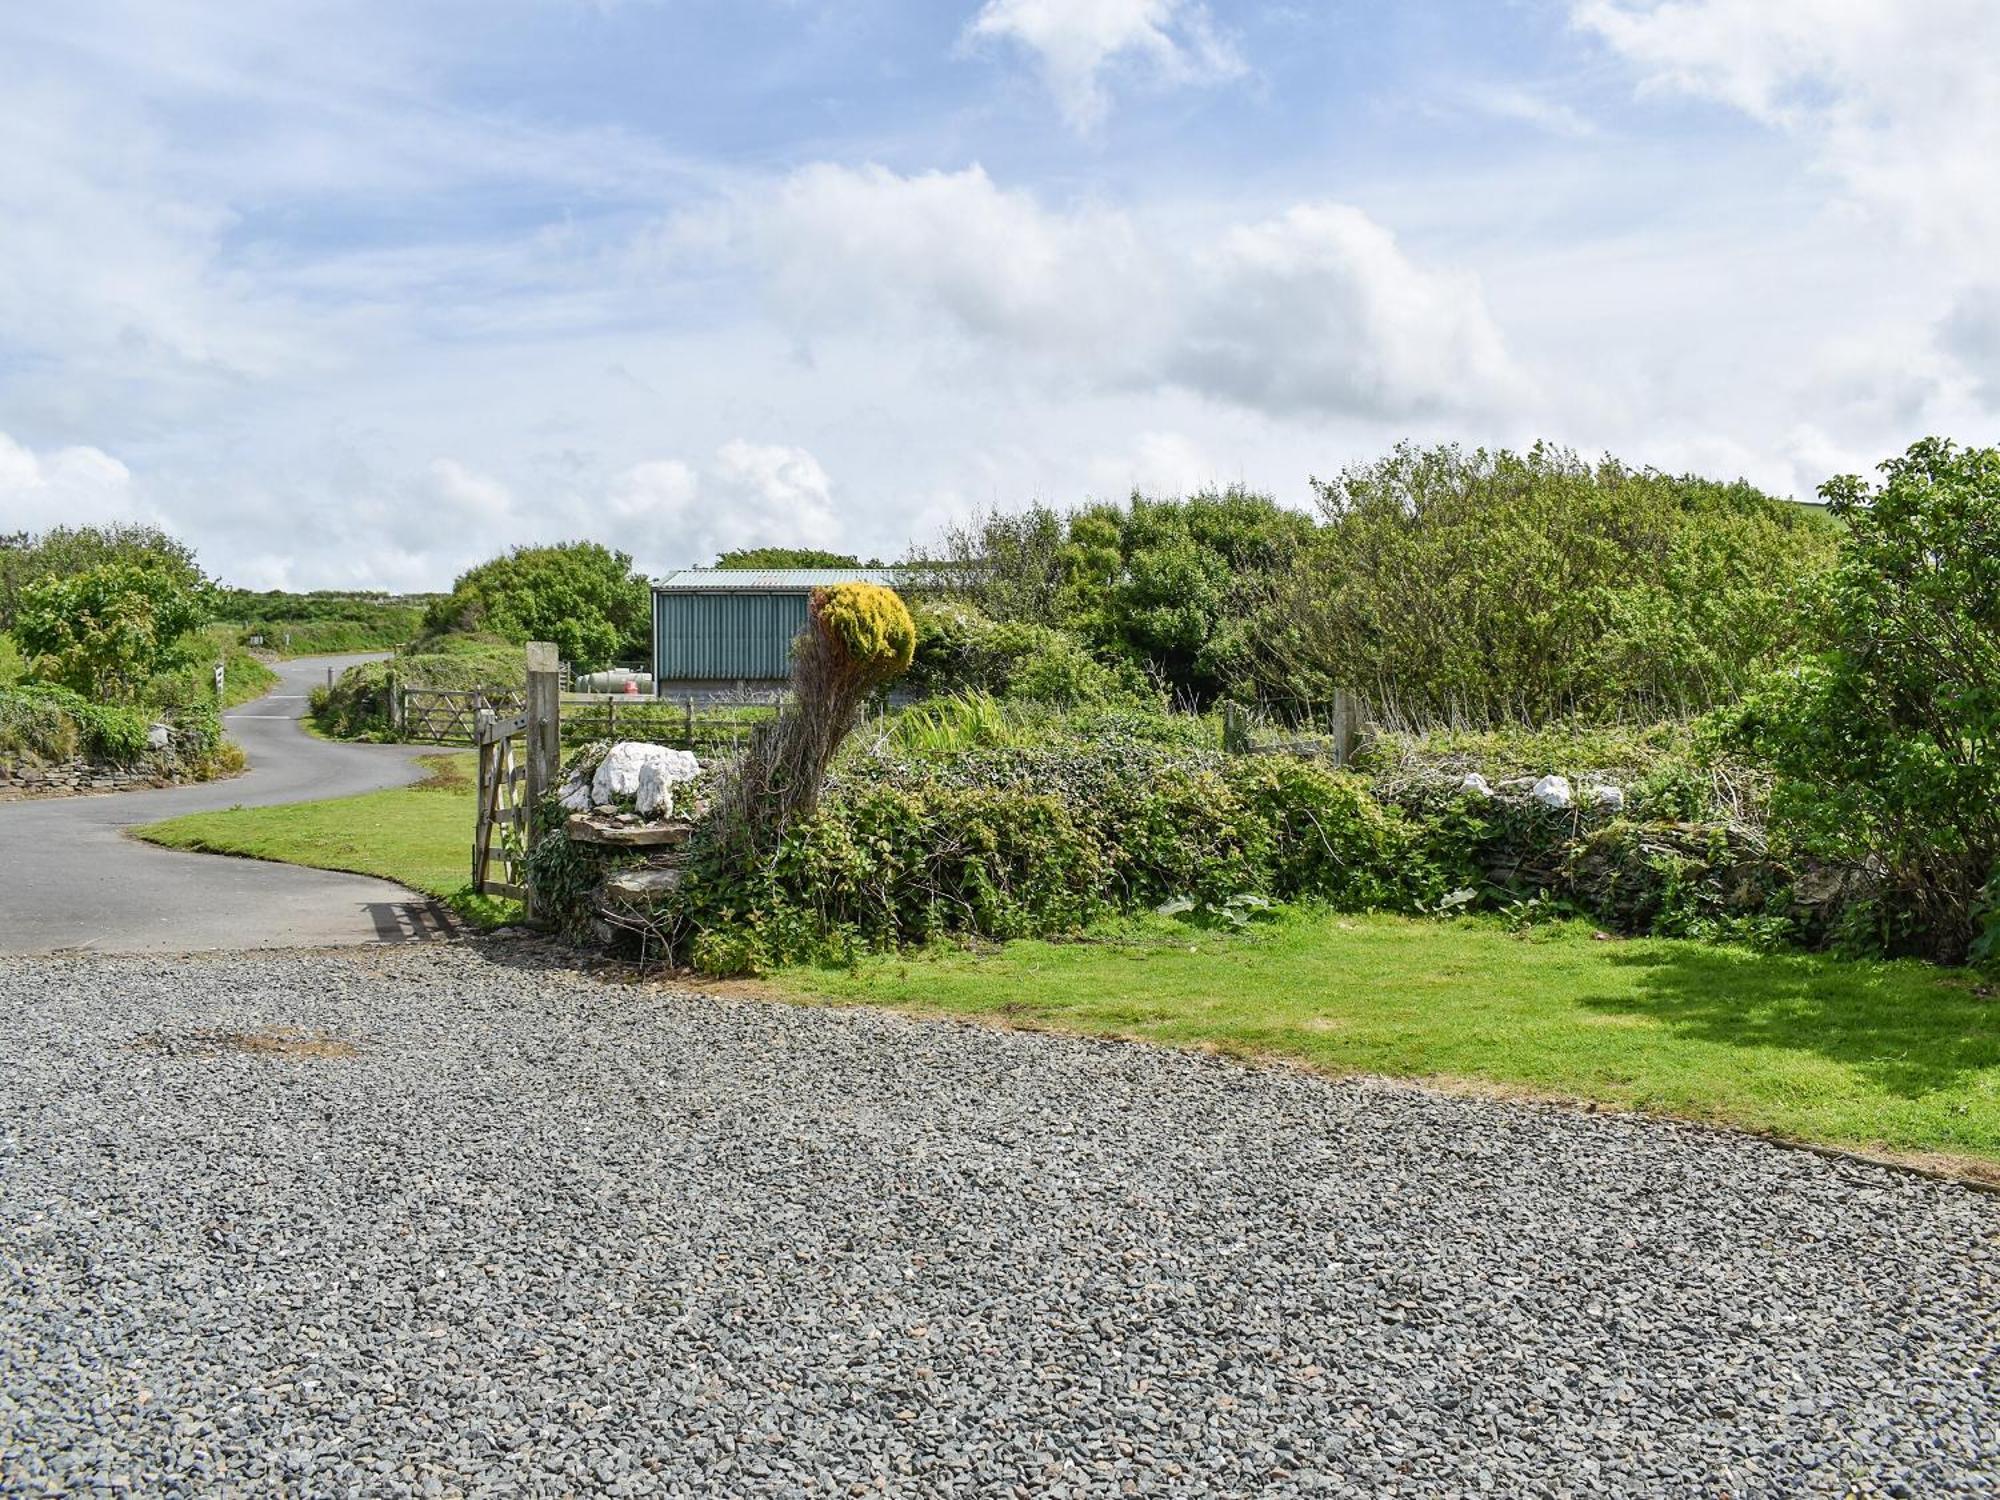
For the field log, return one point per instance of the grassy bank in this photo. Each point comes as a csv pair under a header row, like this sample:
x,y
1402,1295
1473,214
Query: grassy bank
x,y
1893,1057
419,836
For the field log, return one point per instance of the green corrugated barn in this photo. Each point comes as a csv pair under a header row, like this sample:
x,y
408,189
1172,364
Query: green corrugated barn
x,y
722,628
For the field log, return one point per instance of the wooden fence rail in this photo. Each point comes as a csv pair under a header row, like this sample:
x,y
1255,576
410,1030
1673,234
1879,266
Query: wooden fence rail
x,y
449,716
519,753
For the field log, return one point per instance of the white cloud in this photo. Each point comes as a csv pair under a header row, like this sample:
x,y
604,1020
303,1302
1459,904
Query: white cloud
x,y
1158,463
1315,312
1510,103
1077,42
751,495
1895,98
1319,311
64,487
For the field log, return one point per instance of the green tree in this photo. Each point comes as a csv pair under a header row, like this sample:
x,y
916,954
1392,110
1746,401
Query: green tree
x,y
788,557
1886,741
1167,585
106,631
584,597
26,558
1489,588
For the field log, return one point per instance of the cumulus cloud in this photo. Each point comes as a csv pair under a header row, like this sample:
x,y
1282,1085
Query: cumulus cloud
x,y
751,495
1317,311
1077,43
64,487
1158,463
1894,98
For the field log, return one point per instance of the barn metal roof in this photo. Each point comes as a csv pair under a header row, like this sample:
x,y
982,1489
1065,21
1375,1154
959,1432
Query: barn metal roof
x,y
769,580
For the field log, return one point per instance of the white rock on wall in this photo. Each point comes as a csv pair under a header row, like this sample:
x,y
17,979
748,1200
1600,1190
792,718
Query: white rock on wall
x,y
1610,798
1552,792
619,773
1476,784
159,736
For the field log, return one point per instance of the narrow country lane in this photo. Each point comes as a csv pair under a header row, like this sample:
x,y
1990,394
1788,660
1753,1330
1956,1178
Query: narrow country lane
x,y
71,878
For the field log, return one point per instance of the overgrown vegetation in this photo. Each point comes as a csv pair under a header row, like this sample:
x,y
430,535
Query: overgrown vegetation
x,y
357,705
1886,740
323,623
584,597
1480,588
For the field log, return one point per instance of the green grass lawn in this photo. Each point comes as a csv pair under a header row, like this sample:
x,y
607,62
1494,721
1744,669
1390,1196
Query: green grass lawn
x,y
419,836
1888,1057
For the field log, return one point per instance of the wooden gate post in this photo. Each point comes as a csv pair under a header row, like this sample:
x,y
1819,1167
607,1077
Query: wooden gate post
x,y
544,710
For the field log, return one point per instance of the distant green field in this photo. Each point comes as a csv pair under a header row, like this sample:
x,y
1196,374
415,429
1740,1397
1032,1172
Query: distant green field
x,y
322,624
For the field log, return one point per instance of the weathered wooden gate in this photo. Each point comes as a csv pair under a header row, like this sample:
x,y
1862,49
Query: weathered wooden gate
x,y
518,757
448,715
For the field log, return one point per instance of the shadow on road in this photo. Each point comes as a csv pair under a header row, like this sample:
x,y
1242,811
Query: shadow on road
x,y
413,921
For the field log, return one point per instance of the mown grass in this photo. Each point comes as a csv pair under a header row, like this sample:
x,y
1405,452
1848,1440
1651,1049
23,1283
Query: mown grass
x,y
1882,1057
419,836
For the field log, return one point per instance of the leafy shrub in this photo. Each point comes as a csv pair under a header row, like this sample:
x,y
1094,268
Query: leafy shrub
x,y
46,723
1012,843
961,651
323,623
1886,743
106,631
1493,588
65,551
583,597
1166,586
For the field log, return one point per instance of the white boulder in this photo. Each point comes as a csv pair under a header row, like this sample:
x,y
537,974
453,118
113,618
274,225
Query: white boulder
x,y
622,772
1553,792
1610,798
159,736
1476,784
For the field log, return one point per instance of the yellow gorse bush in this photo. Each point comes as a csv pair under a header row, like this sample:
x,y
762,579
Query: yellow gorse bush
x,y
871,625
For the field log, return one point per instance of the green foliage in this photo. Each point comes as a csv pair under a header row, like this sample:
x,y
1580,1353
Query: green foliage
x,y
324,623
357,706
960,650
48,724
64,551
13,667
1164,585
1491,588
585,598
1886,743
872,627
1012,843
788,557
947,724
106,631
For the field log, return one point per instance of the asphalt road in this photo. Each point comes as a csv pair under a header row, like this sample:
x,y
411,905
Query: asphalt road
x,y
72,879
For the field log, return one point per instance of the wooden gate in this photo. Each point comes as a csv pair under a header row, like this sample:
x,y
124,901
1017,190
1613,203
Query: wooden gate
x,y
446,716
518,756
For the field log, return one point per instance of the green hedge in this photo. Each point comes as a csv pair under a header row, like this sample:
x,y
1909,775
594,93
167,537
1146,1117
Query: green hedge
x,y
1017,842
49,724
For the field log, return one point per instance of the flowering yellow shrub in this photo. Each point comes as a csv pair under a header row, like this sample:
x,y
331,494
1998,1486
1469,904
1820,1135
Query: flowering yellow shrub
x,y
871,625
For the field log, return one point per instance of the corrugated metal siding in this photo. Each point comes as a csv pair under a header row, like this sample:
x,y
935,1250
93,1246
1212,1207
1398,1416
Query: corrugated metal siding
x,y
725,637
752,580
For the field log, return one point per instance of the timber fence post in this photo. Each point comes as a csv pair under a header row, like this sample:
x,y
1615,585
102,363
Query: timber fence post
x,y
544,707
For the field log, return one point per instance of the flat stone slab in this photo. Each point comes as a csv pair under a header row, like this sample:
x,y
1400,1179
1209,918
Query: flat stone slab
x,y
584,830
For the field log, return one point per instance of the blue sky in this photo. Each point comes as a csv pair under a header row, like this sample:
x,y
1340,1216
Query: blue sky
x,y
354,293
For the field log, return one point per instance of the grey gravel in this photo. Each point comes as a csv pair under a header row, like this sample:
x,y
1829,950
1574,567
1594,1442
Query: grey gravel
x,y
541,1234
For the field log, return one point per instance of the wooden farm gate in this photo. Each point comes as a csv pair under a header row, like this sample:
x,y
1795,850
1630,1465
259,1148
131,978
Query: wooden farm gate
x,y
518,757
449,716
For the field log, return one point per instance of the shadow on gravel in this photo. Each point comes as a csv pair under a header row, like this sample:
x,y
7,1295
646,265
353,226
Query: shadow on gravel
x,y
1852,1013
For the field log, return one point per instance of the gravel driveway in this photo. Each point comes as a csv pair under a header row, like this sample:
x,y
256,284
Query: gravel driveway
x,y
543,1235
